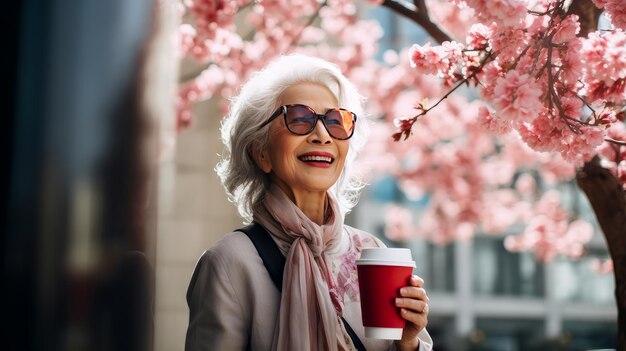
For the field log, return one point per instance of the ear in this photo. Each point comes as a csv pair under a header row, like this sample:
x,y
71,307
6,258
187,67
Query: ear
x,y
262,159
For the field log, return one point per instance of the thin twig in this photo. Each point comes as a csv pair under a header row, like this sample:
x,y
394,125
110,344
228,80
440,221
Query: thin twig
x,y
407,131
463,81
617,142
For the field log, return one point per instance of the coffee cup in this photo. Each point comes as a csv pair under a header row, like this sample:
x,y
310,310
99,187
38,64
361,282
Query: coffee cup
x,y
381,273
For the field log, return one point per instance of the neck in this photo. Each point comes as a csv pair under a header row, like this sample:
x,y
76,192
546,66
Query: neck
x,y
311,203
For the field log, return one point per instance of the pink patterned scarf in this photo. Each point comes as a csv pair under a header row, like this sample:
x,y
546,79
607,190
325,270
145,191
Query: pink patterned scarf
x,y
310,309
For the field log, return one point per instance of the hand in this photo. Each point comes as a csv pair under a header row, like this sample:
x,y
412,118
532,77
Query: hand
x,y
413,305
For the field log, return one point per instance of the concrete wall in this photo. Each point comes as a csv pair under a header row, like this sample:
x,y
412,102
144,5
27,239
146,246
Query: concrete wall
x,y
194,213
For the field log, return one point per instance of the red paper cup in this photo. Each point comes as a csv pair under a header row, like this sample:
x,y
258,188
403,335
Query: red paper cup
x,y
382,272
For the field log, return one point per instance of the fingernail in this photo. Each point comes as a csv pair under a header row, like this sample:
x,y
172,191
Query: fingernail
x,y
403,291
398,301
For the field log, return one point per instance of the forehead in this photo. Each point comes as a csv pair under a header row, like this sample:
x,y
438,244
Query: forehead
x,y
315,95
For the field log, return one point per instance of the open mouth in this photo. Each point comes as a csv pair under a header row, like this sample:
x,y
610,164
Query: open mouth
x,y
309,158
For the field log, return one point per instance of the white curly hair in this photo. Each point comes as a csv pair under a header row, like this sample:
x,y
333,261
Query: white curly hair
x,y
245,183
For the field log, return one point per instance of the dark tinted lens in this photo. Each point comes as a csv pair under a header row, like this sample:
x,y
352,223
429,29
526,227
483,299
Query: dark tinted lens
x,y
300,120
340,123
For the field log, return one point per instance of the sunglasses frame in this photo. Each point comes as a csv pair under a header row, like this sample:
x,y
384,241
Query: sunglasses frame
x,y
283,110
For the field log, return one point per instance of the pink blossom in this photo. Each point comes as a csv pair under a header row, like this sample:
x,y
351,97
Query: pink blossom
x,y
497,172
493,123
572,106
582,147
578,234
378,161
455,19
478,37
398,223
573,66
616,11
554,168
549,133
605,65
506,12
424,58
613,157
516,97
549,232
440,60
526,184
503,208
537,25
186,34
566,30
184,117
543,134
467,175
601,267
507,42
517,152
617,131
489,75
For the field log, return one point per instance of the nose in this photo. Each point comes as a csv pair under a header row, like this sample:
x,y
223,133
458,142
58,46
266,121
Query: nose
x,y
320,135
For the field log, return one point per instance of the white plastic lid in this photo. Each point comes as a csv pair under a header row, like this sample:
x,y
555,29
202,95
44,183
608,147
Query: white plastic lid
x,y
386,256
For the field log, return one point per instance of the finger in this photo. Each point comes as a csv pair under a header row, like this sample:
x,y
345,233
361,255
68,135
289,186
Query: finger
x,y
416,281
418,306
419,319
415,293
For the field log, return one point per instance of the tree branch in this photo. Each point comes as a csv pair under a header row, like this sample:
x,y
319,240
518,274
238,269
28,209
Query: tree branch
x,y
418,13
588,15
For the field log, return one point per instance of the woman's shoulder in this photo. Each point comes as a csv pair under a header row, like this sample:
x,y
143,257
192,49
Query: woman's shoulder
x,y
232,250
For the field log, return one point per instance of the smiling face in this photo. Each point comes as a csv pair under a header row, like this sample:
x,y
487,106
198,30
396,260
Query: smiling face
x,y
304,163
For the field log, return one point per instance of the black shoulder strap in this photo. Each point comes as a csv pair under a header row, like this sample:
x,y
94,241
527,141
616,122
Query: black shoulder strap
x,y
272,258
274,261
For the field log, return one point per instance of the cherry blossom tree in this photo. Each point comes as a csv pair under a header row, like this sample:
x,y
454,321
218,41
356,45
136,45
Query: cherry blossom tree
x,y
552,90
546,74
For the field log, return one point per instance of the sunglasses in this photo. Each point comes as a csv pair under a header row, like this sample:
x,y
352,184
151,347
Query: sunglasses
x,y
301,120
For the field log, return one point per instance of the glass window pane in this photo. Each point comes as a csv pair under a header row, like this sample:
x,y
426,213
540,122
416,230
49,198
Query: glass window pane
x,y
500,272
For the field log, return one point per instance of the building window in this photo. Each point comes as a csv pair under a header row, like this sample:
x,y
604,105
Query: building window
x,y
498,272
573,279
587,335
507,335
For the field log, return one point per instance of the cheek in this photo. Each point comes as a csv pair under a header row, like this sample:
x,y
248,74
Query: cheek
x,y
282,152
343,150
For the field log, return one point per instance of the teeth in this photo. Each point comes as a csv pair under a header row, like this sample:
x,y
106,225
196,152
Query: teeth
x,y
317,159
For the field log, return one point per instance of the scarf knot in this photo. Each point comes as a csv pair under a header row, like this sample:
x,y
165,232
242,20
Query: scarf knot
x,y
309,305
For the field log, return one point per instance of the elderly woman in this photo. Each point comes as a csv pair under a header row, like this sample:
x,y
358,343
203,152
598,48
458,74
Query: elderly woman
x,y
291,137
